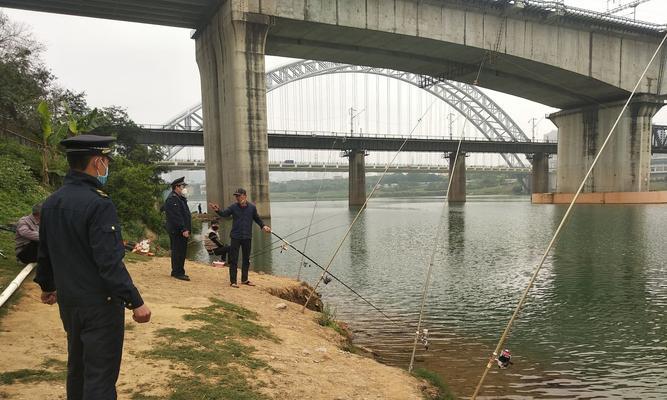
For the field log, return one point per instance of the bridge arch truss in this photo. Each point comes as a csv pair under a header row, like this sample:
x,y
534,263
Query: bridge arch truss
x,y
479,109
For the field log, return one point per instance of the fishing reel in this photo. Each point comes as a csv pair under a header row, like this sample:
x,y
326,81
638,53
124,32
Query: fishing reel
x,y
423,338
326,279
505,359
283,247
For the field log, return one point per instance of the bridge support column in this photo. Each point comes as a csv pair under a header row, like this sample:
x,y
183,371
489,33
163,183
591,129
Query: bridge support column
x,y
457,190
625,164
357,177
230,55
539,180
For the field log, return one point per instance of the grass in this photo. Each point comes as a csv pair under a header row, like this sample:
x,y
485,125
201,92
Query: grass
x,y
443,391
213,353
327,318
53,370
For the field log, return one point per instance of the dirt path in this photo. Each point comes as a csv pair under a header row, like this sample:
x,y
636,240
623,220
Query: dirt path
x,y
307,362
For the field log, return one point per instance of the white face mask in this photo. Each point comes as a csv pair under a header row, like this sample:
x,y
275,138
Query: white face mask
x,y
184,192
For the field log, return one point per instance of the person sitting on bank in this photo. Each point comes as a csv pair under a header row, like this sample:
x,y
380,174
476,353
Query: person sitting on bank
x,y
27,236
243,213
213,244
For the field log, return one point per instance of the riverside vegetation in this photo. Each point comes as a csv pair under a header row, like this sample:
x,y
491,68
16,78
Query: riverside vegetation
x,y
35,115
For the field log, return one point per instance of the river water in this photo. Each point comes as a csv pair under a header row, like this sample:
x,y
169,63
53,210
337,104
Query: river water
x,y
594,325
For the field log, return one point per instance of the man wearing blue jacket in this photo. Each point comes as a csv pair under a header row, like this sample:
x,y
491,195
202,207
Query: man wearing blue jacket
x,y
243,213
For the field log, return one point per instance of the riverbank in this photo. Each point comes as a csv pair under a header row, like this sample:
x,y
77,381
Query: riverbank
x,y
205,340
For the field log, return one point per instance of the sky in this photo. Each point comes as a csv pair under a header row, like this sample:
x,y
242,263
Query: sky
x,y
151,70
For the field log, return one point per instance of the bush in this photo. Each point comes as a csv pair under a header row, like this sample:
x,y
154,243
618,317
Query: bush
x,y
135,190
20,189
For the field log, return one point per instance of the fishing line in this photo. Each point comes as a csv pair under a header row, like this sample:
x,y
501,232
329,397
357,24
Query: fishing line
x,y
338,280
561,225
363,207
288,235
264,251
312,215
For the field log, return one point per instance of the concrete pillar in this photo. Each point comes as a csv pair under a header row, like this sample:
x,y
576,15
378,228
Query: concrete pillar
x,y
625,164
230,55
357,177
539,182
457,189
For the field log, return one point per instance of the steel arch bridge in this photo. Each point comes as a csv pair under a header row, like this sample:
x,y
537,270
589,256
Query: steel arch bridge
x,y
487,116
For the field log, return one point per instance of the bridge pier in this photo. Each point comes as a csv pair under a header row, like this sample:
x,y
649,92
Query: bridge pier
x,y
457,189
356,177
625,164
230,54
539,179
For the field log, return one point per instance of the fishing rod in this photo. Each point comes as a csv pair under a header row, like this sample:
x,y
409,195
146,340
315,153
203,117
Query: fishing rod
x,y
562,224
337,279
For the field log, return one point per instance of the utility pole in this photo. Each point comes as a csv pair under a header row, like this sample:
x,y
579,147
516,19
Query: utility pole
x,y
352,110
533,122
353,116
451,125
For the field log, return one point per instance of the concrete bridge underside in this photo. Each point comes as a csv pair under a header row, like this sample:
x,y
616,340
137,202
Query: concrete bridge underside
x,y
557,56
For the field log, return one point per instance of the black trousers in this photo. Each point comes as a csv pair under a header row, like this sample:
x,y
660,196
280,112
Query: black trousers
x,y
94,347
244,245
179,246
221,251
29,253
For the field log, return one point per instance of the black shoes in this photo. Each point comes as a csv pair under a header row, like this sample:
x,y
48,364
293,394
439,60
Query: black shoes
x,y
182,277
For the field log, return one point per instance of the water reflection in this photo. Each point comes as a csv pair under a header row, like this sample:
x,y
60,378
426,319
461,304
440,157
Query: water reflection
x,y
358,248
456,233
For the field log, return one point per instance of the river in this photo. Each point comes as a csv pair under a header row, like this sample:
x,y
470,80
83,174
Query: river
x,y
594,325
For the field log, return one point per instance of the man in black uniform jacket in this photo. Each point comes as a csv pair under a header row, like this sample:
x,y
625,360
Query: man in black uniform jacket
x,y
179,224
81,259
243,213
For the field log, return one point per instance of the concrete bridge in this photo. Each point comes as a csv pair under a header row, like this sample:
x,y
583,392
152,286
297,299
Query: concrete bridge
x,y
345,167
657,170
355,149
576,60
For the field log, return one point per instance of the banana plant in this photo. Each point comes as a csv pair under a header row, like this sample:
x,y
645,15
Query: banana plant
x,y
73,125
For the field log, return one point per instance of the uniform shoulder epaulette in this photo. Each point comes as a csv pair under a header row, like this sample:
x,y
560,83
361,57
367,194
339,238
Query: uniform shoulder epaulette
x,y
101,193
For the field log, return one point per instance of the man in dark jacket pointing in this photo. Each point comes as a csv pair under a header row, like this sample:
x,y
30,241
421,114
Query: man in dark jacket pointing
x,y
243,213
179,225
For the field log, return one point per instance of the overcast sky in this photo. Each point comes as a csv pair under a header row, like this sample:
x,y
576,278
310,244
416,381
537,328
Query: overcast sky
x,y
152,72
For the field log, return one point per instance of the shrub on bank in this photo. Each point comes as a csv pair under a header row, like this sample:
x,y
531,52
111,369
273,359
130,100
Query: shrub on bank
x,y
20,189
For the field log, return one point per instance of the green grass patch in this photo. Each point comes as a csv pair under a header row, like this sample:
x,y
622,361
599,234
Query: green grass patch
x,y
54,370
214,353
444,393
327,318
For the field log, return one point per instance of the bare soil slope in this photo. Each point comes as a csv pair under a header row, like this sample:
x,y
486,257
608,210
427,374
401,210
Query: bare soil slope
x,y
306,363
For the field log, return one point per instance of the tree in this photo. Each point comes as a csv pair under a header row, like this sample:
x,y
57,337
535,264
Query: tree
x,y
23,78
